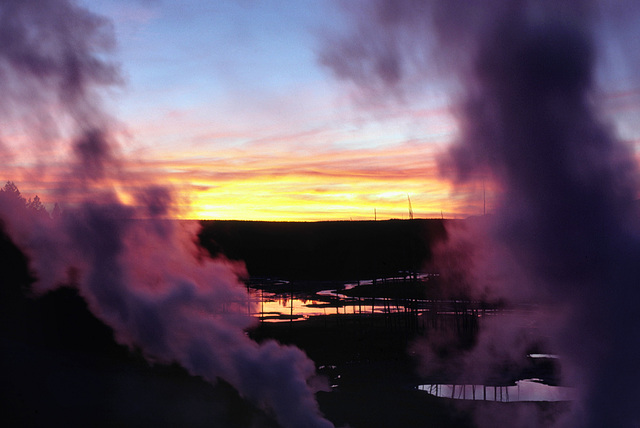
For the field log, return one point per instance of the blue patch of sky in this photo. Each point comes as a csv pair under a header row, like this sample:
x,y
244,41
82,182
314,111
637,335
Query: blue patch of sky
x,y
187,53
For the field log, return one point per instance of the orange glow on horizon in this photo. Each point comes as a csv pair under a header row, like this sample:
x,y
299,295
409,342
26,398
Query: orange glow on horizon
x,y
285,197
292,200
277,185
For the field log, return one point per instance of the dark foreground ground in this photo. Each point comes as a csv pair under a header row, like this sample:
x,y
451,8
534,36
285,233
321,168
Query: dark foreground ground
x,y
61,367
80,378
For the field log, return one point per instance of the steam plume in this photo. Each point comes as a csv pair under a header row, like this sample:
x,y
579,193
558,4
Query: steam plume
x,y
147,279
50,56
530,119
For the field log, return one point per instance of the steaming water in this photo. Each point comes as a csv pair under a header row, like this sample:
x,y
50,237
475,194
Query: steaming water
x,y
274,307
277,307
523,390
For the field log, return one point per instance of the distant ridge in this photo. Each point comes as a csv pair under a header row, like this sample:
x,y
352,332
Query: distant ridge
x,y
326,249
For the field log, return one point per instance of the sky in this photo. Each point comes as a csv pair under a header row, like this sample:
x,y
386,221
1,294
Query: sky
x,y
230,104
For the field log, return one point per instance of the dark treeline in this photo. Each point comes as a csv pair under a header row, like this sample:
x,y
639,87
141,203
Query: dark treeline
x,y
325,250
11,196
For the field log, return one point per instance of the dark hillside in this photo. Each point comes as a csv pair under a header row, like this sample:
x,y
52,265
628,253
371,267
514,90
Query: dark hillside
x,y
62,367
324,250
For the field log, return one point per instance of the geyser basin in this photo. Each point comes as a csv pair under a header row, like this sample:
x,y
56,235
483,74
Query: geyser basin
x,y
523,390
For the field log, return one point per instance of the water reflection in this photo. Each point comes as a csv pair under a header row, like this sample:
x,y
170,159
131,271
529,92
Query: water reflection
x,y
283,307
271,302
523,390
275,307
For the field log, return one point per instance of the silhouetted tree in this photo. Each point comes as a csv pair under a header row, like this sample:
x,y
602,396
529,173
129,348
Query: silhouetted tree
x,y
37,206
10,195
56,212
11,192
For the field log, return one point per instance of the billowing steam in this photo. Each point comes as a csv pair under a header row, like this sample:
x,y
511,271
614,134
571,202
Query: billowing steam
x,y
51,66
530,120
141,274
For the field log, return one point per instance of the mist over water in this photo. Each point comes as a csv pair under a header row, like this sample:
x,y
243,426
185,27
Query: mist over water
x,y
140,273
531,121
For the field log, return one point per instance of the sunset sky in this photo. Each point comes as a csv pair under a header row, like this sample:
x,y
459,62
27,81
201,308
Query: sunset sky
x,y
228,103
